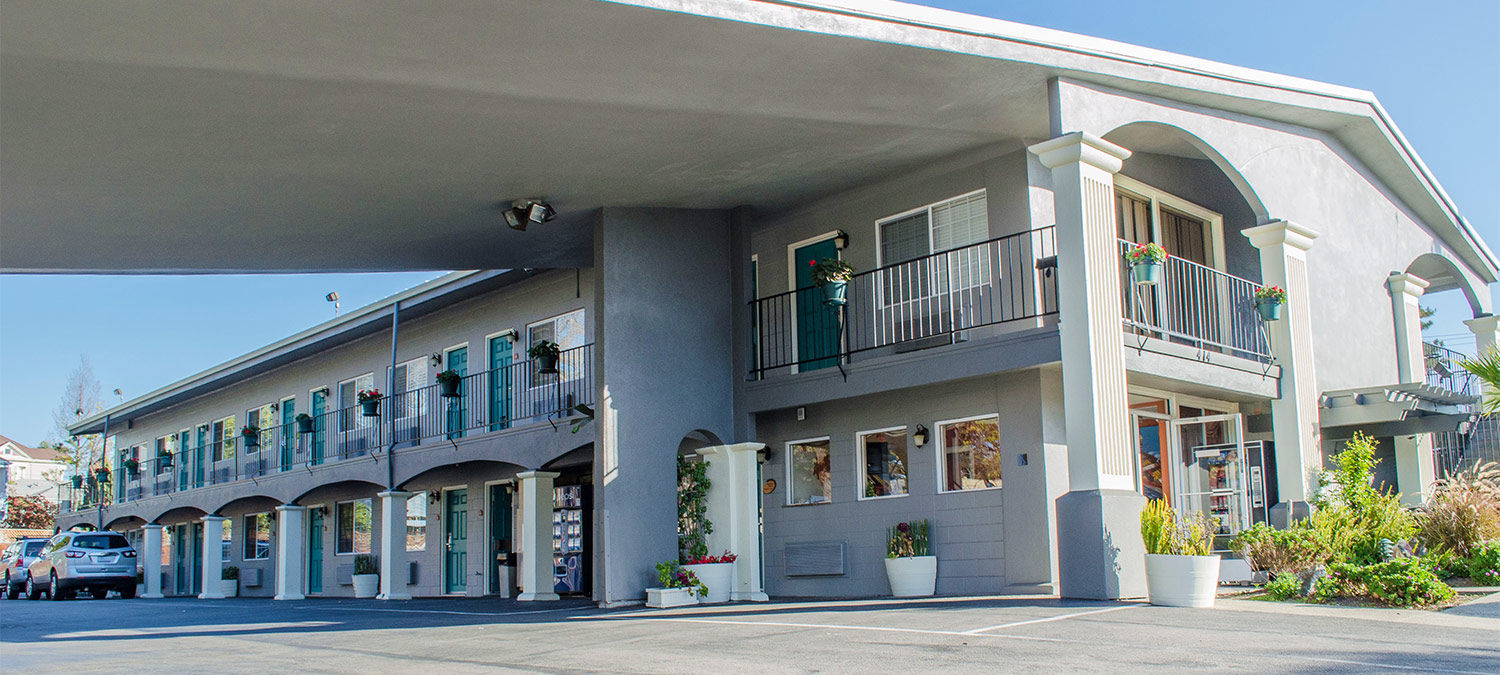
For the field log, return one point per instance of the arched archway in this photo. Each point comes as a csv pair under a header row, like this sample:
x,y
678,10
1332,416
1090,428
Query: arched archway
x,y
1169,140
697,439
1442,274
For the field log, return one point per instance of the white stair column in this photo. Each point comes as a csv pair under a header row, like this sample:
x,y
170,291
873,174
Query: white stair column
x,y
734,497
1283,262
1486,331
291,543
213,558
535,537
151,561
393,545
1414,470
1099,539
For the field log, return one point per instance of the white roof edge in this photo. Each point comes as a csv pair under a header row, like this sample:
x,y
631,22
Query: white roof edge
x,y
353,316
918,16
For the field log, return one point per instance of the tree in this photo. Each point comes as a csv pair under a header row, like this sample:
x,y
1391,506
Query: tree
x,y
1486,367
1426,312
29,512
81,398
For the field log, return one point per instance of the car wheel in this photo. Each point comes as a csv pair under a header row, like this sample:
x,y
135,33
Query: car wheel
x,y
99,593
127,593
13,591
54,591
32,592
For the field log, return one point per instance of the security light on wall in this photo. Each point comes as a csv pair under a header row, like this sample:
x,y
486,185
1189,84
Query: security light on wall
x,y
523,212
436,359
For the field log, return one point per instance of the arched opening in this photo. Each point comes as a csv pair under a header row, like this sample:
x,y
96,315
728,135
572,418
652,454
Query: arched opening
x,y
125,524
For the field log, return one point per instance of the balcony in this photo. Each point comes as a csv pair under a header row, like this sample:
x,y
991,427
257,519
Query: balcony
x,y
936,299
513,396
1195,305
1445,371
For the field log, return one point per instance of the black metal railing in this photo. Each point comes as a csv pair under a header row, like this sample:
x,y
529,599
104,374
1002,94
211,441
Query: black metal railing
x,y
510,396
1445,370
1006,279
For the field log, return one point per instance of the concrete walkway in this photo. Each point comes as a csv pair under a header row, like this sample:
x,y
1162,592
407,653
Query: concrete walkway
x,y
1485,607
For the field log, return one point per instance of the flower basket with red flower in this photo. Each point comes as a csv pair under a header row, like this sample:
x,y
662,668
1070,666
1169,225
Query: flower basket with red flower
x,y
369,402
832,276
1268,302
1147,262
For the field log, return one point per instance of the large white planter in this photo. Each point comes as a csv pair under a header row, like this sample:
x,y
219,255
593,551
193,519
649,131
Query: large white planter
x,y
1182,580
718,577
366,585
662,598
912,577
229,587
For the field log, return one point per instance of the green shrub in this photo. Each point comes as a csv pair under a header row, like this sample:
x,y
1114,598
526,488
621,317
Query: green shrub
x,y
1352,524
365,564
1283,587
1166,533
1445,564
1463,511
1403,582
1280,552
1484,565
229,573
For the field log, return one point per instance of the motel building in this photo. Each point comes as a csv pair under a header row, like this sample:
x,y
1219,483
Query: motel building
x,y
997,369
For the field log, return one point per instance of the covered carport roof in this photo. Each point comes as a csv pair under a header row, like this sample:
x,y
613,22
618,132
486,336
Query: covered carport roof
x,y
280,135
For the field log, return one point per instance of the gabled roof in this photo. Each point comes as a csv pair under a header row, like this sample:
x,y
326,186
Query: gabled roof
x,y
39,454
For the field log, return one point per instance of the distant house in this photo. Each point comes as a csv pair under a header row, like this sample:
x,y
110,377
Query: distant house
x,y
33,471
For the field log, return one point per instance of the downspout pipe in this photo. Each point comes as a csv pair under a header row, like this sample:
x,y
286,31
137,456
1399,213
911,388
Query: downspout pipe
x,y
104,461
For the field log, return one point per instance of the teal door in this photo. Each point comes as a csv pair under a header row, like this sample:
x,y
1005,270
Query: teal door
x,y
183,459
499,533
458,407
320,426
187,554
456,564
499,383
315,550
817,323
198,451
288,432
180,582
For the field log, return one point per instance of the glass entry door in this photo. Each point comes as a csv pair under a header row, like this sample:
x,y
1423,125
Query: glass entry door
x,y
1209,472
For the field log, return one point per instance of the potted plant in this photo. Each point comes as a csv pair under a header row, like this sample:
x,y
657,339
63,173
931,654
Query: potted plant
x,y
1146,263
832,276
304,423
678,587
545,355
77,481
101,475
132,468
252,435
1268,302
909,564
229,581
716,572
366,576
448,382
369,402
1180,571
164,460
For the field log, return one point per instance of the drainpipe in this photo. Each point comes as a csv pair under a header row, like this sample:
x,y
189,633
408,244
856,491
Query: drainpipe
x,y
390,388
104,459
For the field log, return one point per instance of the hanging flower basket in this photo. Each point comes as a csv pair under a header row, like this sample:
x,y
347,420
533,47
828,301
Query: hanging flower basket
x,y
252,436
1269,301
369,403
832,276
132,468
77,482
1147,263
448,382
165,460
545,354
101,475
304,423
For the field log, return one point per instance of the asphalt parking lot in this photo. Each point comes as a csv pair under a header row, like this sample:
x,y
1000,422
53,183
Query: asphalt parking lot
x,y
1008,634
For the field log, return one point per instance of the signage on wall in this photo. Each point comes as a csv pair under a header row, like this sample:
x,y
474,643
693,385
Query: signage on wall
x,y
769,487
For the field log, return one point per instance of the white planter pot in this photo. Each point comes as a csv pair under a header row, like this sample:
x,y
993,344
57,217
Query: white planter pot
x,y
229,587
913,577
366,585
718,577
662,598
1182,580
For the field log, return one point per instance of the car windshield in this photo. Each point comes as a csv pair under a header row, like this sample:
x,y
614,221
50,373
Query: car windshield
x,y
34,547
100,541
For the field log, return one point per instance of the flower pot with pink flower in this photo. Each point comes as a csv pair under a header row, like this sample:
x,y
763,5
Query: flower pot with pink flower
x,y
716,572
1268,302
1147,262
910,566
679,587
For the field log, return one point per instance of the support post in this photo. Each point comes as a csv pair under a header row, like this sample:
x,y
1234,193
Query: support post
x,y
1414,466
291,542
213,558
734,509
1486,331
1283,262
393,545
535,521
1099,540
151,539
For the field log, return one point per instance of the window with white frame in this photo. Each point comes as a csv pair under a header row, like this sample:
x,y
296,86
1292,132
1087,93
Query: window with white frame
x,y
882,461
354,524
223,438
226,542
809,472
944,226
970,454
416,522
262,418
1187,231
163,449
349,390
257,536
567,331
407,401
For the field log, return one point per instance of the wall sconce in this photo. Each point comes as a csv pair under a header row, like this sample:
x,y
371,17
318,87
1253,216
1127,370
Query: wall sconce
x,y
321,390
275,407
920,436
436,359
841,240
433,496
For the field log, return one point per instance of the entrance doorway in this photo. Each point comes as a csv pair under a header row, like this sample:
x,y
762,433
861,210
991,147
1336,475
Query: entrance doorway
x,y
315,550
1210,472
187,554
817,323
456,541
501,556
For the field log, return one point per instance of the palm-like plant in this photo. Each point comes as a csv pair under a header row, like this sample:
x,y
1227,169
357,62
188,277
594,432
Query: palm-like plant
x,y
1486,367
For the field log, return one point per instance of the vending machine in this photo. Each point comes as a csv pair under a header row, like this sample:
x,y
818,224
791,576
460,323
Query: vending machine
x,y
570,539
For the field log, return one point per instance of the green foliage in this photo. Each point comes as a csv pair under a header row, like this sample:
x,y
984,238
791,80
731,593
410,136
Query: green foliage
x,y
1486,367
1352,524
831,269
449,375
1284,587
366,564
908,539
29,512
1464,510
693,525
230,573
1280,552
671,575
1167,533
1403,582
1484,564
543,348
1445,563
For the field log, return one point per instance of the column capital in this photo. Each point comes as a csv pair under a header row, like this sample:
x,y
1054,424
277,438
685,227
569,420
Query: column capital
x,y
1489,323
291,507
1281,232
152,526
397,494
214,519
1083,147
537,474
1408,283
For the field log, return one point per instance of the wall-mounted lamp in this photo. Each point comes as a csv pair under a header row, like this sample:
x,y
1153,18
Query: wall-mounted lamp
x,y
523,212
321,390
275,407
436,359
920,436
841,240
434,496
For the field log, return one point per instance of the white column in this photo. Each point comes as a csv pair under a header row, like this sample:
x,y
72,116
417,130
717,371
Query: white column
x,y
1100,551
213,558
535,536
1486,331
1406,292
393,545
151,540
291,542
734,509
1283,262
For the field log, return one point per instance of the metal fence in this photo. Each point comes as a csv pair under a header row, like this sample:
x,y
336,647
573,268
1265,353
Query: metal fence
x,y
1195,305
1457,450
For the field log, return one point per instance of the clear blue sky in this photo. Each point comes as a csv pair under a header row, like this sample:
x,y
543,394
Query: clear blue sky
x,y
1435,65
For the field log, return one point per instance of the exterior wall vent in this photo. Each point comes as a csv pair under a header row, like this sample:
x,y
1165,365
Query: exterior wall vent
x,y
250,577
411,572
815,559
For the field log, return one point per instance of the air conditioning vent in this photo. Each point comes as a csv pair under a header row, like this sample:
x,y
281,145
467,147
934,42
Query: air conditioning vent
x,y
815,559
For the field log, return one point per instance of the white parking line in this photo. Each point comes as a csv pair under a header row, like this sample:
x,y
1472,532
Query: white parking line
x,y
1389,666
834,626
978,631
439,611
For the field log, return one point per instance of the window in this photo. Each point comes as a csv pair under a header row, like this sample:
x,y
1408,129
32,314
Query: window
x,y
166,548
946,225
349,397
257,536
354,525
970,450
227,541
568,332
1187,231
164,447
883,463
416,522
407,402
100,542
810,472
224,433
262,418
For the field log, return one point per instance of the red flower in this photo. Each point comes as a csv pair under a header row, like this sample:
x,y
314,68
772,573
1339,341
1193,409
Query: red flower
x,y
812,263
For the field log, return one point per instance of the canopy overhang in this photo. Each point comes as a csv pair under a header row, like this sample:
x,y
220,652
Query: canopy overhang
x,y
1394,410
